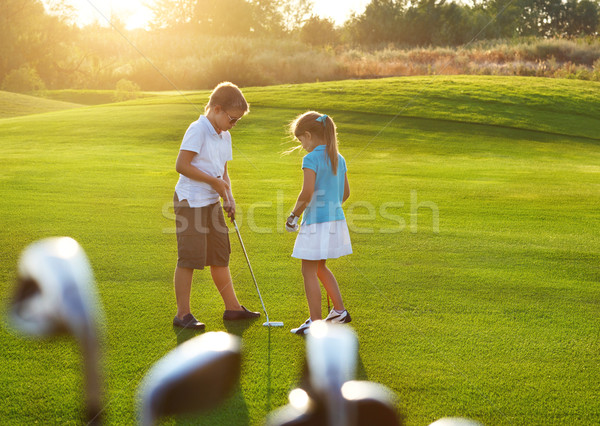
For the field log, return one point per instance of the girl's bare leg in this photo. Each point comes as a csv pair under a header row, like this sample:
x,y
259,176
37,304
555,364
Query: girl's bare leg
x,y
331,285
312,288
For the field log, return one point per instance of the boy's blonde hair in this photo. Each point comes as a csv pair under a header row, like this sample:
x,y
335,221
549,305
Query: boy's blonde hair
x,y
228,96
321,127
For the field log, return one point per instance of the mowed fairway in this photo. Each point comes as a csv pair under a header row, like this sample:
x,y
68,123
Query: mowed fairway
x,y
474,283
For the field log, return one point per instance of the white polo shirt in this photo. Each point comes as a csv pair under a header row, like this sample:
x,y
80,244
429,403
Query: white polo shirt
x,y
213,152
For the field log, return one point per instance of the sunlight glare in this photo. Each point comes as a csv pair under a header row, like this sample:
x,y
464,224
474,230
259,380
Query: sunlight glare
x,y
135,13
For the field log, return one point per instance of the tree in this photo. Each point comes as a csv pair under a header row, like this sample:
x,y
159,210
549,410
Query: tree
x,y
540,17
230,17
381,22
222,17
31,37
318,32
18,22
23,80
581,17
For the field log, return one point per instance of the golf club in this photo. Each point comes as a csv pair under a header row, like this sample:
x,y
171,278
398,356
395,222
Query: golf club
x,y
331,353
55,295
330,397
195,376
267,323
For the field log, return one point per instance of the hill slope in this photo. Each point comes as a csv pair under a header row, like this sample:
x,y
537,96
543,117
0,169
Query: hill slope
x,y
16,104
570,107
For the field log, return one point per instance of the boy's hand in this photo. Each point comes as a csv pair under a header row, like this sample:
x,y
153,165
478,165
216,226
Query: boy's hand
x,y
229,207
291,225
221,187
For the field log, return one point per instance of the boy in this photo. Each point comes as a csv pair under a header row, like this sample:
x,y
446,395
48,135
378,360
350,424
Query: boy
x,y
202,235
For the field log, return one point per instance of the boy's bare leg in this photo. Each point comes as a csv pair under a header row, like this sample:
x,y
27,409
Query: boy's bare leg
x,y
312,288
222,279
331,285
183,287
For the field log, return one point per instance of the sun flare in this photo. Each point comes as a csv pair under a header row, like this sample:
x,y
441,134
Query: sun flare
x,y
137,14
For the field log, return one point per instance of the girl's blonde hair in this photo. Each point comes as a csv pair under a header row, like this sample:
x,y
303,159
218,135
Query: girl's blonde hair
x,y
322,127
229,96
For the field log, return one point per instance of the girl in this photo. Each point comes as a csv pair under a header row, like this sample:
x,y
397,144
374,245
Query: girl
x,y
324,232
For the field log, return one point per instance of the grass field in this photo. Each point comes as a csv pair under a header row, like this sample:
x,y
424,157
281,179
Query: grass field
x,y
492,315
16,104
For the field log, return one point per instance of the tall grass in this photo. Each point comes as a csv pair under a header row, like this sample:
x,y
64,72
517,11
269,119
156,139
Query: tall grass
x,y
168,61
201,64
531,57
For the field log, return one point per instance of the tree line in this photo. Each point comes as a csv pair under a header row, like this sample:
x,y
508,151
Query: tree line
x,y
441,23
40,45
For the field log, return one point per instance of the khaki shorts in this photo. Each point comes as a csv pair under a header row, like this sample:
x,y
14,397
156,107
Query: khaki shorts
x,y
202,235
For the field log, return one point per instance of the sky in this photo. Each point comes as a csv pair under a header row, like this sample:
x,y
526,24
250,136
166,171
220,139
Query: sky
x,y
136,15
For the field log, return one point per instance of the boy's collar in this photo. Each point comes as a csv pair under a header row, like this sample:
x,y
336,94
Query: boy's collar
x,y
209,126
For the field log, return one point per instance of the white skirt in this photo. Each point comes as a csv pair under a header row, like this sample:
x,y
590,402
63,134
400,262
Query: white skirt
x,y
326,240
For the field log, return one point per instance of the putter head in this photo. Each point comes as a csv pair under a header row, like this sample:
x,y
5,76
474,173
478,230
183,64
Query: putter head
x,y
273,324
55,292
195,376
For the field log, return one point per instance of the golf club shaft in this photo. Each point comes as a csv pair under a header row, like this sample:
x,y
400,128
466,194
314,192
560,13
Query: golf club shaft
x,y
90,350
237,230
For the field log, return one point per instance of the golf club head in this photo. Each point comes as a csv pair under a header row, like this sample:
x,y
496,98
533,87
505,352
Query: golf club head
x,y
302,410
366,404
455,421
195,376
331,355
370,403
55,292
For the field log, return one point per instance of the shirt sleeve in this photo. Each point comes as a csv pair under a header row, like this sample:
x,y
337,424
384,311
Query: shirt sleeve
x,y
229,149
193,139
309,162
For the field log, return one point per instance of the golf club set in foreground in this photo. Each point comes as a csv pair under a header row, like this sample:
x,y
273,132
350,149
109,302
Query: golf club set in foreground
x,y
56,294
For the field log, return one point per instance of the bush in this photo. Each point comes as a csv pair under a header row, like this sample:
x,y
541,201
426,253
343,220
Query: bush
x,y
23,80
126,90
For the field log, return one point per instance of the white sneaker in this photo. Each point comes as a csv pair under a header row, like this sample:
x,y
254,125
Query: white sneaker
x,y
337,318
303,329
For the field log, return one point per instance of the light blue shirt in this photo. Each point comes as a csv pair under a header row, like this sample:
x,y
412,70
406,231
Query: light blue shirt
x,y
326,202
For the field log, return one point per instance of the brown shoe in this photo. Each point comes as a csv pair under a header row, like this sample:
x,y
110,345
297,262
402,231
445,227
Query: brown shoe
x,y
244,314
188,321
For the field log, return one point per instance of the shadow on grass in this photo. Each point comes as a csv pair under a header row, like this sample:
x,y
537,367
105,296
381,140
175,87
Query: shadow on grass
x,y
238,328
361,373
184,334
234,411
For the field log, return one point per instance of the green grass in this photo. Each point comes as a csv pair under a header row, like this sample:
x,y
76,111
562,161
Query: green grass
x,y
494,317
16,104
87,96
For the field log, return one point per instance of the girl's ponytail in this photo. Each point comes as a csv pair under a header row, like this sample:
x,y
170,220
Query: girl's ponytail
x,y
330,137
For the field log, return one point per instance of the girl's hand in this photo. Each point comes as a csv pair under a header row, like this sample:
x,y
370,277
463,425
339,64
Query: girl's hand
x,y
291,225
